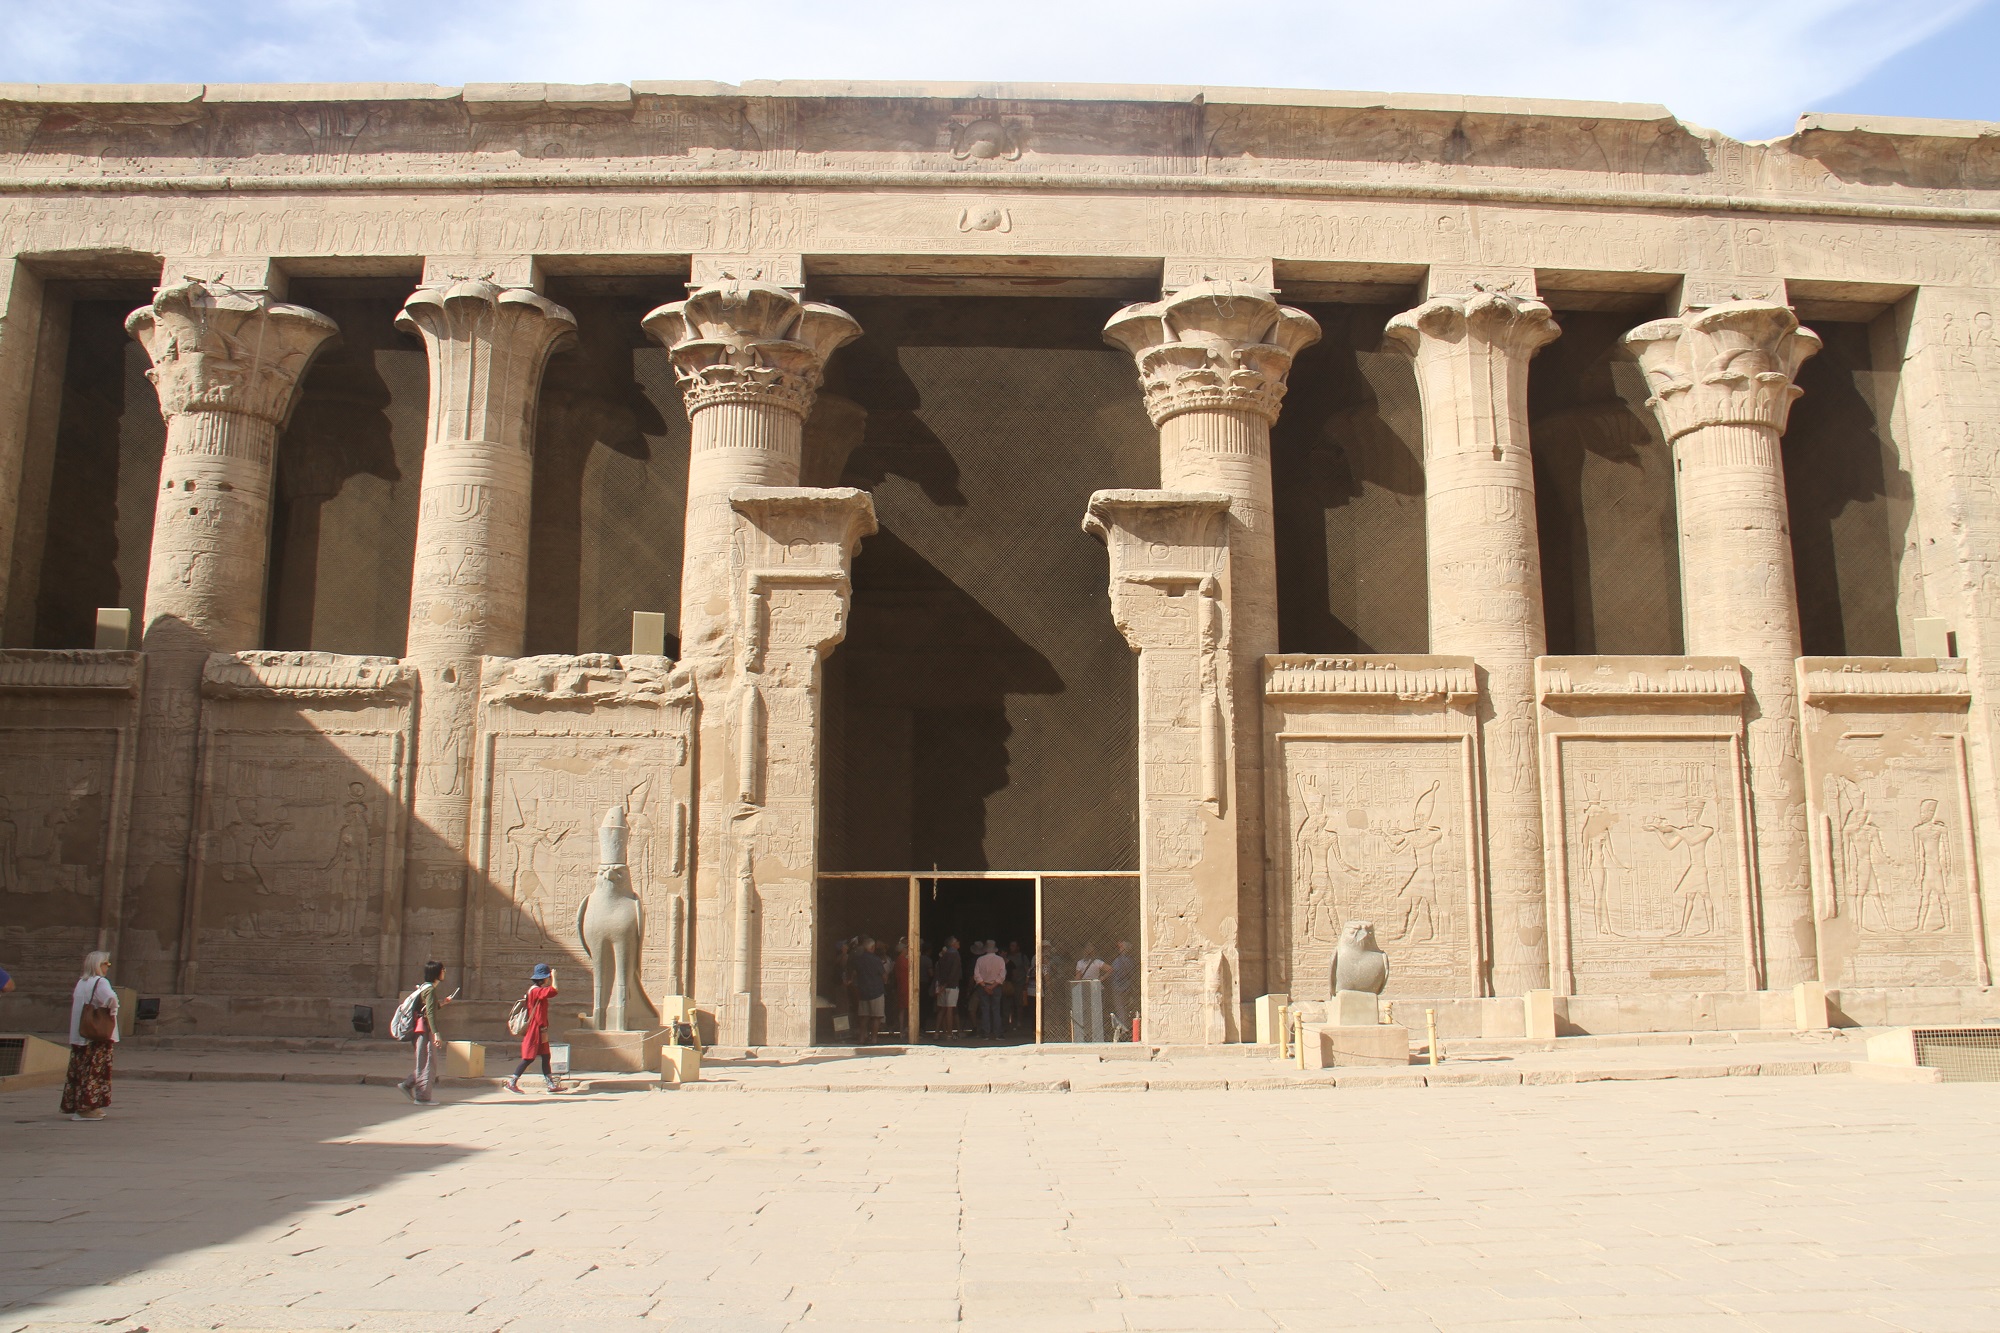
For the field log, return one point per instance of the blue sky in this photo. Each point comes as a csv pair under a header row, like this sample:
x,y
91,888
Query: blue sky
x,y
1747,67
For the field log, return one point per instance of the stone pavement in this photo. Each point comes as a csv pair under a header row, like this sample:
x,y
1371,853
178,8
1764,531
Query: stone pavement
x,y
1777,1204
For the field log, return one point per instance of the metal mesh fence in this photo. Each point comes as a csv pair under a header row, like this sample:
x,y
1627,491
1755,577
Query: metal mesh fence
x,y
1089,960
1965,1055
851,910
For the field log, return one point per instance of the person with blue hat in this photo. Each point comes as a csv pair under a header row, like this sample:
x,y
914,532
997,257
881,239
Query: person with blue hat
x,y
531,1012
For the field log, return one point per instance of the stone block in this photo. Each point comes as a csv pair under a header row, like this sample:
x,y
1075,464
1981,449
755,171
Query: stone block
x,y
1539,1016
114,629
1355,1009
1809,1007
1329,1046
1776,1011
680,1064
464,1059
41,1063
1268,1017
1502,1016
614,1052
1897,1047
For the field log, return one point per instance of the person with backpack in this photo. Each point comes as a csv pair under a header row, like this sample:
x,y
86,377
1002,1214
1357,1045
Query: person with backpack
x,y
531,1012
93,1030
418,1017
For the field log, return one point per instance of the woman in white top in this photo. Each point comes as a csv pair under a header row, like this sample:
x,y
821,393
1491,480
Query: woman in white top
x,y
87,1090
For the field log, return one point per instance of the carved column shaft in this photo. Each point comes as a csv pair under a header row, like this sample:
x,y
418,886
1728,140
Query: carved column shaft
x,y
487,346
1212,362
1472,353
1722,382
749,356
227,366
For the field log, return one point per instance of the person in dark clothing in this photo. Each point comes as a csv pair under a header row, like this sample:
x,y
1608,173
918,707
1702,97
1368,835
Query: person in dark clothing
x,y
1125,990
950,975
870,982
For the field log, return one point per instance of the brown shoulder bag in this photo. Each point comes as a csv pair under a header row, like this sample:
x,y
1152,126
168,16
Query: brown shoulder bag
x,y
98,1023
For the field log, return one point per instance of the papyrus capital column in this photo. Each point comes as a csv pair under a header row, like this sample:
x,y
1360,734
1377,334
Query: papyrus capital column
x,y
227,363
1722,386
487,346
1472,350
749,355
1213,359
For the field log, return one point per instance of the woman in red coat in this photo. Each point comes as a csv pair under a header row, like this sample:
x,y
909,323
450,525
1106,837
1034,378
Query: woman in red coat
x,y
535,1039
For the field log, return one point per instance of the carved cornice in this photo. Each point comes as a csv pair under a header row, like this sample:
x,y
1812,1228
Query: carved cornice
x,y
1509,324
593,679
1728,365
62,670
1859,682
1176,520
1628,678
1215,346
742,340
1409,679
281,675
217,349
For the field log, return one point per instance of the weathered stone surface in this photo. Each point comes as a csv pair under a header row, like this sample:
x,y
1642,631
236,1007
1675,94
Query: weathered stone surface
x,y
1612,841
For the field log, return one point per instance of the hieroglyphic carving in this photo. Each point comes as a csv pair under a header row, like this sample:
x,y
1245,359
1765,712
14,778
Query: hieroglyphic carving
x,y
1376,815
68,733
793,547
1722,385
1889,789
1644,795
1170,565
1472,347
1212,361
487,346
300,824
563,739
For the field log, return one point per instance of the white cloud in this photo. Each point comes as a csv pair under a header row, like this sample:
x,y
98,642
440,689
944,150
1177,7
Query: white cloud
x,y
1743,67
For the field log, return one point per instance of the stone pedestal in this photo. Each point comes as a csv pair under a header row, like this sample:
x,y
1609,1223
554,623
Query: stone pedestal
x,y
591,1051
1269,1016
1472,351
1722,383
680,1064
1212,361
487,345
1539,1015
1355,1008
1329,1045
227,364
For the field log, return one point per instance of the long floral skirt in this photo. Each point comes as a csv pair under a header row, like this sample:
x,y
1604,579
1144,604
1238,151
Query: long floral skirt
x,y
88,1087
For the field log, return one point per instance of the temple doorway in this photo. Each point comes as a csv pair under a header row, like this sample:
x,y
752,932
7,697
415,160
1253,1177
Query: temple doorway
x,y
1069,943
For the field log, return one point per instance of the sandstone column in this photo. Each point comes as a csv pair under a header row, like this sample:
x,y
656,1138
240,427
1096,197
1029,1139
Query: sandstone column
x,y
1212,361
749,356
1722,386
227,364
488,344
1472,351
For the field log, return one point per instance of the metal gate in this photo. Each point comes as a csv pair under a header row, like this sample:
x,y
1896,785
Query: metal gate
x,y
1084,964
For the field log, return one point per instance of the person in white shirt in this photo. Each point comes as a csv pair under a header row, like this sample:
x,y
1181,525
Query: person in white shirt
x,y
87,1089
989,976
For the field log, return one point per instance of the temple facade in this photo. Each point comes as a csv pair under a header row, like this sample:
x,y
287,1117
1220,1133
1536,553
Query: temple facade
x,y
1174,521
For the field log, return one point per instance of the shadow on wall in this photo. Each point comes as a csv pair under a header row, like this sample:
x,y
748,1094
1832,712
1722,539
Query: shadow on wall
x,y
1347,472
1604,495
611,458
1846,501
982,710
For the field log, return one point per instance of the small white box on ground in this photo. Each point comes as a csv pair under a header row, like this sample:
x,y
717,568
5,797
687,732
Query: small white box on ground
x,y
1355,1009
559,1058
680,1064
1896,1047
464,1059
1809,1008
1540,1015
1268,1010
